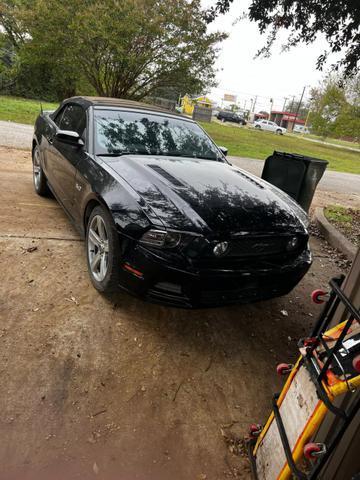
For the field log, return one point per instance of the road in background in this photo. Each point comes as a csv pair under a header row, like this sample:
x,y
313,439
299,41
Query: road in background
x,y
338,182
17,135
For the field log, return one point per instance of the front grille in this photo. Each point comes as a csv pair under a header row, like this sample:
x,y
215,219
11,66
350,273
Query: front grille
x,y
245,246
259,251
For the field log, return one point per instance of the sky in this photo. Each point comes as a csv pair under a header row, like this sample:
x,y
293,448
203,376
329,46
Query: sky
x,y
281,76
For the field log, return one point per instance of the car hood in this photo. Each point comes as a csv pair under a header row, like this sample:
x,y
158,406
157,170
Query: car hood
x,y
204,195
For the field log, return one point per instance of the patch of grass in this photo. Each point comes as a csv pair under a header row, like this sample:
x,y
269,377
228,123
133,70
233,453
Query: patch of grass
x,y
337,214
247,142
22,110
242,142
347,220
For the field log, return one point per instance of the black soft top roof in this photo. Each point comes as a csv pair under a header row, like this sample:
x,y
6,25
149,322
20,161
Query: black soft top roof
x,y
116,102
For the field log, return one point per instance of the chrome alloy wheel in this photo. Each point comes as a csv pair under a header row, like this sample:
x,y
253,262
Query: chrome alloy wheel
x,y
37,168
98,248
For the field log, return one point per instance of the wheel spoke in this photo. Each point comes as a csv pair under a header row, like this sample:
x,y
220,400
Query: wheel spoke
x,y
95,262
103,265
106,246
101,229
94,238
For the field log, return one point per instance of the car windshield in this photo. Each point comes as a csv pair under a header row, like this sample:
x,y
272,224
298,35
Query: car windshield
x,y
119,132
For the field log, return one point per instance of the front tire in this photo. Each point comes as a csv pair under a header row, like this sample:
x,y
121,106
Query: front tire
x,y
103,251
39,178
279,132
258,127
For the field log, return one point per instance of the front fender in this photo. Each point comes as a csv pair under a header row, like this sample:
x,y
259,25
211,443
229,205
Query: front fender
x,y
97,186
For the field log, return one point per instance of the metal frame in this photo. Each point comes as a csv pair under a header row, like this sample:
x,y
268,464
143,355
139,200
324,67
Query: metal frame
x,y
307,347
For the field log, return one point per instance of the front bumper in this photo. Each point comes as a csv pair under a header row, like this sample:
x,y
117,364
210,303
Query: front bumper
x,y
162,283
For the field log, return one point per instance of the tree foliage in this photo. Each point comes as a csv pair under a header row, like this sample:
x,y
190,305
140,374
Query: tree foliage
x,y
127,49
337,20
335,110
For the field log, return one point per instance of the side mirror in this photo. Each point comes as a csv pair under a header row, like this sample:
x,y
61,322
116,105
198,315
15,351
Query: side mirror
x,y
68,136
223,150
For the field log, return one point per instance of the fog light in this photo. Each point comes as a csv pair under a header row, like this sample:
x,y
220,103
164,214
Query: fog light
x,y
293,243
220,248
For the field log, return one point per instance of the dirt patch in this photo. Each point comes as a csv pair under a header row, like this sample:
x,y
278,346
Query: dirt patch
x,y
113,387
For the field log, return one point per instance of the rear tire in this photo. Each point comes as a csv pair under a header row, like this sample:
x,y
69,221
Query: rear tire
x,y
39,177
103,250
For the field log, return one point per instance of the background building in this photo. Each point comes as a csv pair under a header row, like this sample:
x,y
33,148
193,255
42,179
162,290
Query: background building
x,y
286,119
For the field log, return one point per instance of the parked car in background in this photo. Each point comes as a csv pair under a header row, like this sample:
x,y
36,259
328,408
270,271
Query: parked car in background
x,y
269,126
164,215
225,116
301,129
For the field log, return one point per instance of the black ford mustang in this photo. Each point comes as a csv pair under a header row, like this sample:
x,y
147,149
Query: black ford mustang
x,y
164,215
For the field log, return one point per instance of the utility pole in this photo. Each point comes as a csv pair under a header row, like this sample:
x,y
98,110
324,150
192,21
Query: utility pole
x,y
298,108
285,100
253,107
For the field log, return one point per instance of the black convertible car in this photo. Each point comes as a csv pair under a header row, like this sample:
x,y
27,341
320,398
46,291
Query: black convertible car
x,y
163,213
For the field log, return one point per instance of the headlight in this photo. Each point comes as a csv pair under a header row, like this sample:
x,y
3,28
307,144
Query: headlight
x,y
161,238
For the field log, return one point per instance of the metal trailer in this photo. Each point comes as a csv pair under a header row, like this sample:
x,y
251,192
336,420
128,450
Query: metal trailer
x,y
328,367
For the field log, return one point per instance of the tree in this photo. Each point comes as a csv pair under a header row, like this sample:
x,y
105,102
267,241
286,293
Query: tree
x,y
335,110
292,106
337,20
127,49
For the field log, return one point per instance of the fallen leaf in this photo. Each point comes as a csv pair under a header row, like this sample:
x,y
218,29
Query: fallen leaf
x,y
72,299
284,312
96,468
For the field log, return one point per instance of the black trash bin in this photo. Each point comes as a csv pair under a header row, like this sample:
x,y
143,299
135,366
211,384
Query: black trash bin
x,y
295,174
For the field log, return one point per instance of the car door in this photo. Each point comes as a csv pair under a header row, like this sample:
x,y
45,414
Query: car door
x,y
267,125
65,156
272,126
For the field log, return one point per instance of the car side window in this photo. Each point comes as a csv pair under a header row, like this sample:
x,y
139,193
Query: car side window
x,y
58,117
73,118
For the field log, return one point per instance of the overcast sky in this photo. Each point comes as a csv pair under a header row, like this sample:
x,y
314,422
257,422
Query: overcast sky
x,y
282,75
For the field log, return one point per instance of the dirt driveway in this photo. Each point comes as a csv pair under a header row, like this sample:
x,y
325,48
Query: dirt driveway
x,y
115,388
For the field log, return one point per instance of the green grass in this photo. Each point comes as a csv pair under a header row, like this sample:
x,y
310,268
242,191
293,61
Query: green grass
x,y
334,141
247,142
338,214
21,110
242,142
